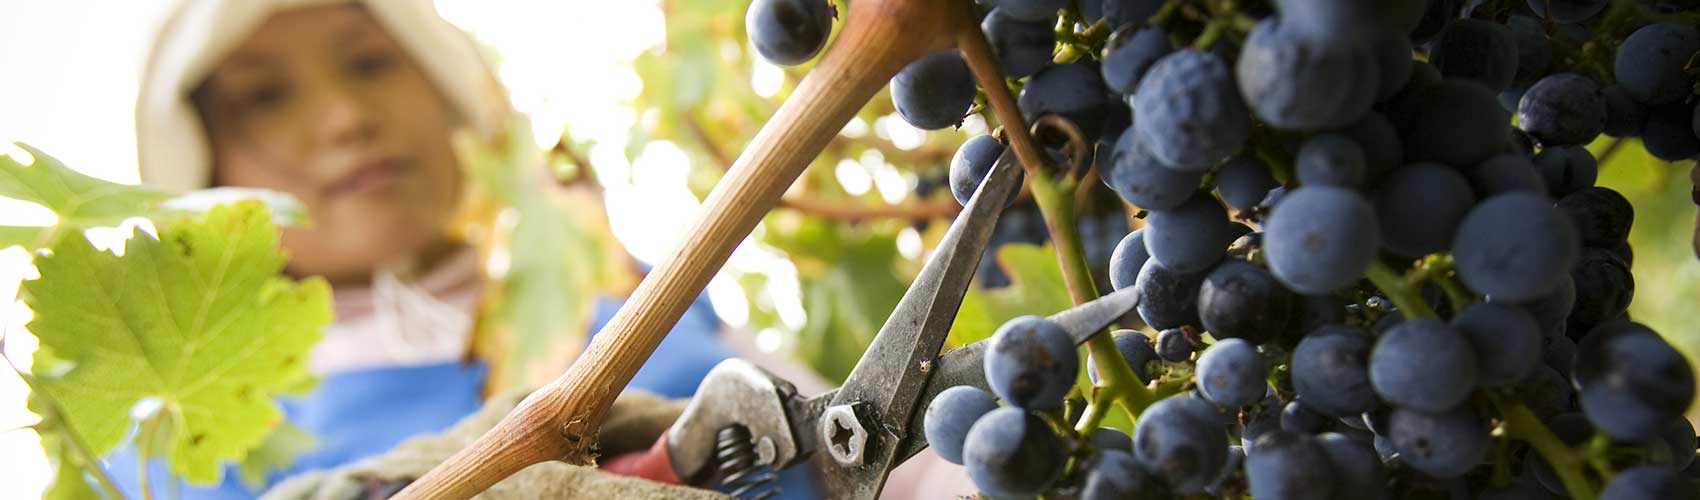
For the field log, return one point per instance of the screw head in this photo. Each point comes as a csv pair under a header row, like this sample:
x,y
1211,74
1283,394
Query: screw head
x,y
843,434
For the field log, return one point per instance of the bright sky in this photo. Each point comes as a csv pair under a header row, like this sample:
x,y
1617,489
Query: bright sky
x,y
68,83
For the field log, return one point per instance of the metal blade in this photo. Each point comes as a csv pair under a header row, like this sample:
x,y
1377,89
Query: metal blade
x,y
965,365
865,422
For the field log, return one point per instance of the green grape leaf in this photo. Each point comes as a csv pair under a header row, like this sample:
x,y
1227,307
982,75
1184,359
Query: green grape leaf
x,y
1036,288
199,319
81,202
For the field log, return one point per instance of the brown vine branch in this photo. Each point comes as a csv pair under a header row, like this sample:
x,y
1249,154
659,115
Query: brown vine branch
x,y
560,421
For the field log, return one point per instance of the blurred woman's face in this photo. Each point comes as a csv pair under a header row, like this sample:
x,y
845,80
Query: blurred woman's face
x,y
323,104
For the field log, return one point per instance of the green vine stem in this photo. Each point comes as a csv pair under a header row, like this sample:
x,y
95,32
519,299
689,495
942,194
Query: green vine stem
x,y
144,446
1403,295
1117,382
87,461
1521,424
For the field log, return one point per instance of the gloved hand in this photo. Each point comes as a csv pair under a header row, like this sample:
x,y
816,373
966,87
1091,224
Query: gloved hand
x,y
635,421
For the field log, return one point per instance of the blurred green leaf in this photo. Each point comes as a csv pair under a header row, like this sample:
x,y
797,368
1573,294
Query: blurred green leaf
x,y
199,319
81,202
1036,288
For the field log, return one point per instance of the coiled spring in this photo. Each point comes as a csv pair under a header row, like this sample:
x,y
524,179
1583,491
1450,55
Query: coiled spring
x,y
740,468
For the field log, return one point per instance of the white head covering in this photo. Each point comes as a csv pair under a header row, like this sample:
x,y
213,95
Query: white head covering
x,y
171,146
406,316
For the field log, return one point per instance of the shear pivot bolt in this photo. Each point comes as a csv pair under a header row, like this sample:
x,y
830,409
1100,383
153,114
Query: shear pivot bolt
x,y
845,437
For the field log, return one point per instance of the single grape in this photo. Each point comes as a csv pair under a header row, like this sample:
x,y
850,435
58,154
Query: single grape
x,y
1174,345
1455,122
1423,364
1517,490
1602,216
1419,207
1110,438
1185,92
935,91
1127,259
1168,298
1311,313
1300,83
1678,435
1669,6
1136,350
1022,47
950,415
970,165
1120,12
1115,474
1560,354
1604,287
1649,63
1648,482
1349,21
1136,175
1285,465
1392,54
1567,11
1031,363
1357,470
1297,417
1514,246
1552,308
1505,339
1503,173
1563,109
1320,238
1566,169
1333,160
1330,371
1478,50
1011,453
1180,440
1191,237
1444,445
1668,134
1631,381
1625,116
1534,50
1240,300
1073,91
1130,52
1231,373
788,32
1380,142
1244,181
1032,10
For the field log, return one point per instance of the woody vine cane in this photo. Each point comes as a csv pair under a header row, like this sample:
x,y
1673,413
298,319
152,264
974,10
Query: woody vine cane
x,y
879,37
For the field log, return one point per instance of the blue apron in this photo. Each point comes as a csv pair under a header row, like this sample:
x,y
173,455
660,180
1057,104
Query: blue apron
x,y
358,414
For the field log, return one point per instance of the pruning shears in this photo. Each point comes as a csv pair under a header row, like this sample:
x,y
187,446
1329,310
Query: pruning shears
x,y
745,424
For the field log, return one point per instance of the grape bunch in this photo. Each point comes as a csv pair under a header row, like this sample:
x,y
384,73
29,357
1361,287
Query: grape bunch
x,y
1372,254
1373,262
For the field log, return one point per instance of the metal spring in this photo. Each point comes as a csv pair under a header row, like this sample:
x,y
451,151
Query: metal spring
x,y
740,468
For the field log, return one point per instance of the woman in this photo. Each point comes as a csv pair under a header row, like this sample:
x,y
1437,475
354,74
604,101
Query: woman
x,y
350,107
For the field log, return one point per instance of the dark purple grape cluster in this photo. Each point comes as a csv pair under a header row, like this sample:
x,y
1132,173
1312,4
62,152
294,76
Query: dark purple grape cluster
x,y
1373,256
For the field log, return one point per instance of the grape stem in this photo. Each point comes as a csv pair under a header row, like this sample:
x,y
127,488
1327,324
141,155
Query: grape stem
x,y
1523,425
1117,382
1400,291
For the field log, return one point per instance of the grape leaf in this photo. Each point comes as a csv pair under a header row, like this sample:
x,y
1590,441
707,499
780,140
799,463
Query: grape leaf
x,y
199,319
561,256
1036,288
81,202
278,450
